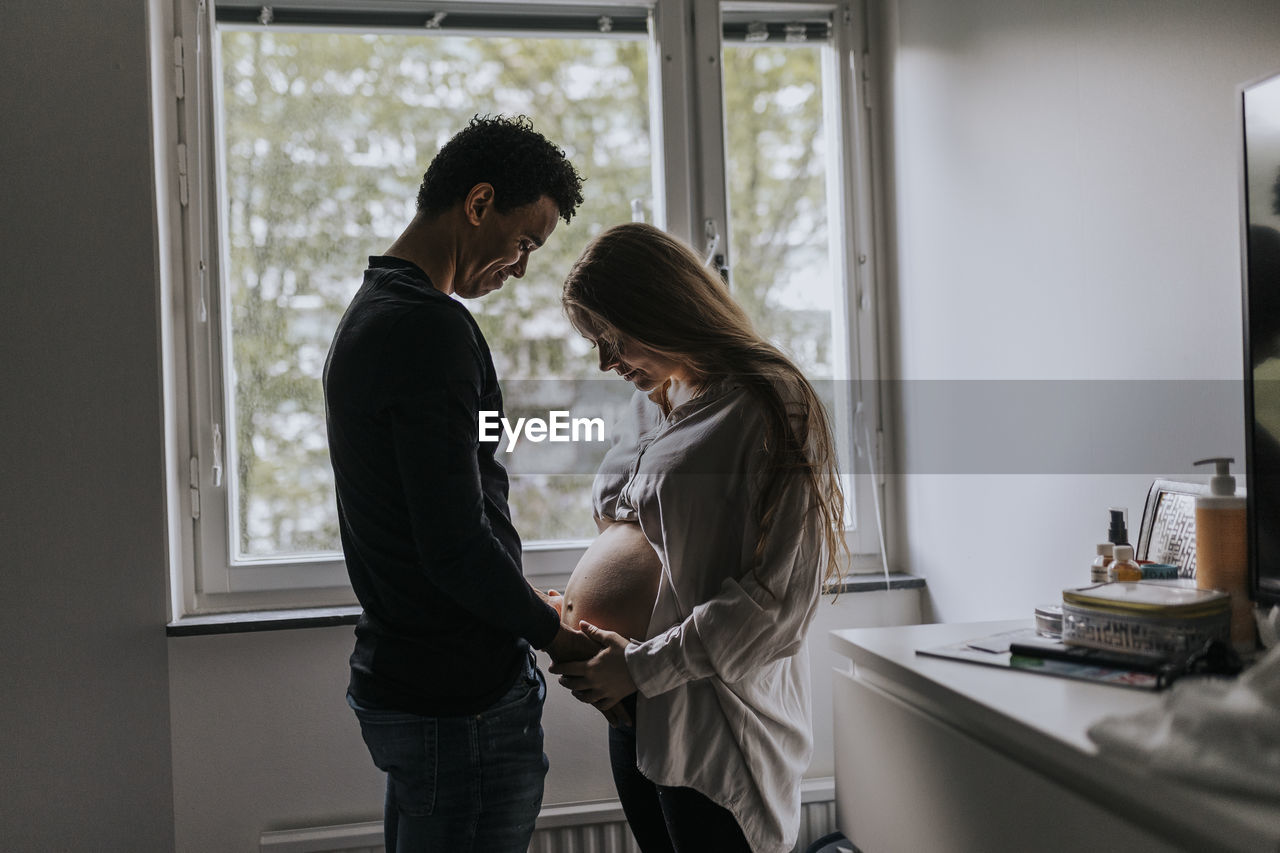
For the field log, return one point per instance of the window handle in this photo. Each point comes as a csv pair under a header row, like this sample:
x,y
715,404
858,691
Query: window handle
x,y
712,233
715,258
217,455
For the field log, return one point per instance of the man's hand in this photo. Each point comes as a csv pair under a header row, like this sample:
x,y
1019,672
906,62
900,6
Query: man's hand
x,y
553,598
604,680
570,645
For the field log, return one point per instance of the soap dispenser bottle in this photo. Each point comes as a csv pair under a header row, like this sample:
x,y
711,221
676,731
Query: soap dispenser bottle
x,y
1222,560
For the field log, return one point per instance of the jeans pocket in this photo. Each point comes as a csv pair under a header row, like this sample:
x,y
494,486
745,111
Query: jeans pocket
x,y
529,691
406,748
512,728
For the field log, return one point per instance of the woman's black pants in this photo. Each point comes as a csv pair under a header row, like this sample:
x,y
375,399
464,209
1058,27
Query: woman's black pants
x,y
667,819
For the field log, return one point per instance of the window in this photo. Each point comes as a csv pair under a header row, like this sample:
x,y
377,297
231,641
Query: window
x,y
303,135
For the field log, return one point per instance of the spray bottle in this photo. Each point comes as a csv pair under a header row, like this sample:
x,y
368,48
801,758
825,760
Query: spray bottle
x,y
1117,535
1222,560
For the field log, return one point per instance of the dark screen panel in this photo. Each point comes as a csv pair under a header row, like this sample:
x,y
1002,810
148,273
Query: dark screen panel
x,y
1261,247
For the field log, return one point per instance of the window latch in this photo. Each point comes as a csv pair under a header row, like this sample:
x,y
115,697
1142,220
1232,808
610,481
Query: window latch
x,y
193,486
179,73
715,259
217,456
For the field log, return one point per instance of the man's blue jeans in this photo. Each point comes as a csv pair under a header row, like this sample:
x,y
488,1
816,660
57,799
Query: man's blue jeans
x,y
457,784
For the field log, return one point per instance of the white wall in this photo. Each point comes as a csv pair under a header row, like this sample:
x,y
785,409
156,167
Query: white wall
x,y
84,723
263,740
1066,208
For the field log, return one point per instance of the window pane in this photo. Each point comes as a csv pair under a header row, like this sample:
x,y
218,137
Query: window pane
x,y
778,172
325,138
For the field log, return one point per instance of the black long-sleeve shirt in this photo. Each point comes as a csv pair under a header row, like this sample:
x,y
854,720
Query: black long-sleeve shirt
x,y
422,504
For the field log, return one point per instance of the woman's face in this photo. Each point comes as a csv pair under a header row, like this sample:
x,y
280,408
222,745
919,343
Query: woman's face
x,y
643,367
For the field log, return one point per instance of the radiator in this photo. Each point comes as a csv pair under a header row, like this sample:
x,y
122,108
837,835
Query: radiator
x,y
576,828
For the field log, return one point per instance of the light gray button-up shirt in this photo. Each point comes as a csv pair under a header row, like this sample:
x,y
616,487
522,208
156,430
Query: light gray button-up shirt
x,y
723,675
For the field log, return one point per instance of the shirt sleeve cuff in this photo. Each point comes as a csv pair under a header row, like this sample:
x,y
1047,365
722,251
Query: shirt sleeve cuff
x,y
545,628
660,664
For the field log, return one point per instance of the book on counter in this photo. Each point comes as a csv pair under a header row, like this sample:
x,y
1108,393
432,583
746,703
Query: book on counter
x,y
1025,650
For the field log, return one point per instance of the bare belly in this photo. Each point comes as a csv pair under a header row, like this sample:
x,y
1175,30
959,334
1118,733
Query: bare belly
x,y
615,583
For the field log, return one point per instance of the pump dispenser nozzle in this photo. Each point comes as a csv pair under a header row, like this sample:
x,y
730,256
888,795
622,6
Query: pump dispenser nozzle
x,y
1221,483
1119,532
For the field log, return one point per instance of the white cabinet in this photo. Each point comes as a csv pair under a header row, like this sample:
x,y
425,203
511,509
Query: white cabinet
x,y
941,755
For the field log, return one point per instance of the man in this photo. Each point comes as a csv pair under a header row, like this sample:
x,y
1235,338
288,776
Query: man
x,y
443,679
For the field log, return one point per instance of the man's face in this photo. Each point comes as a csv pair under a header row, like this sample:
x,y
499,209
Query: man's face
x,y
502,244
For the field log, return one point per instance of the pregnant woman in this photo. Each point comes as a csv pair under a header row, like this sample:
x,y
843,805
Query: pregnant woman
x,y
614,584
725,473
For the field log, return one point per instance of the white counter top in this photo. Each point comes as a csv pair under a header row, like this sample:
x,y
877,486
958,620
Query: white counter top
x,y
1041,721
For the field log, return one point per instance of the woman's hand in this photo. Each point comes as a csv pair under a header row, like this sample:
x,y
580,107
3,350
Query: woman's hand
x,y
602,680
618,716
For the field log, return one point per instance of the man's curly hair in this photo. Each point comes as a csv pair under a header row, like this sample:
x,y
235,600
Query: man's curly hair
x,y
520,163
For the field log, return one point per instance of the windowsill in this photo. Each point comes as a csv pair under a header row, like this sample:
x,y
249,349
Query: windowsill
x,y
263,620
875,583
328,617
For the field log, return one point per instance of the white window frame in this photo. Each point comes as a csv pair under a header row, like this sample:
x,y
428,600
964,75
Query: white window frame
x,y
689,151
850,214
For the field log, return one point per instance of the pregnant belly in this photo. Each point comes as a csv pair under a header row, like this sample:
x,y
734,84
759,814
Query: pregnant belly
x,y
615,583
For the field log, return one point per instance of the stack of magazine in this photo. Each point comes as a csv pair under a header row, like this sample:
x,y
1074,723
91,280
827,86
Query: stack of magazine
x,y
1129,634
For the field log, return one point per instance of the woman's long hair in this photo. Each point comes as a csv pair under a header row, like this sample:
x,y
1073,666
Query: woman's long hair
x,y
651,287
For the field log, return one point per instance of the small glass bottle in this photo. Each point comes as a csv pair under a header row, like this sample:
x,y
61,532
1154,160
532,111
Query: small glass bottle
x,y
1124,568
1098,571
